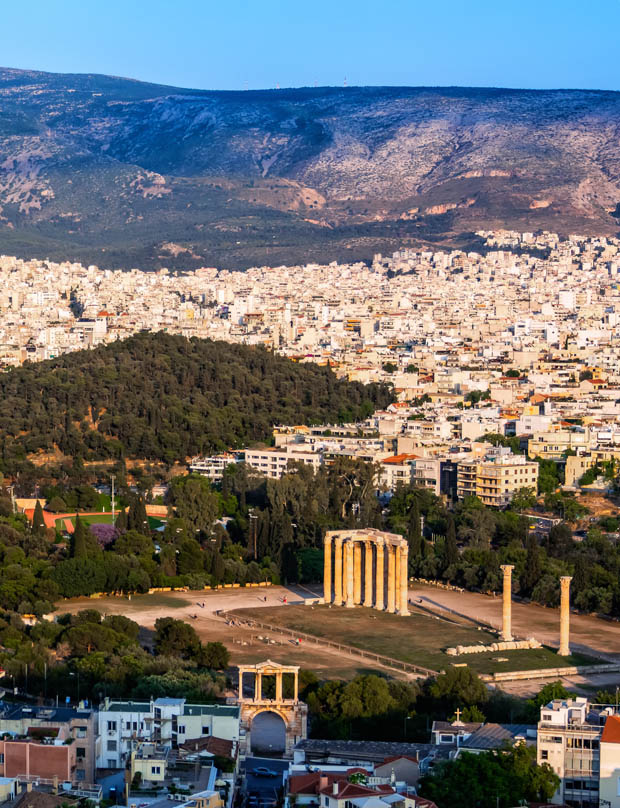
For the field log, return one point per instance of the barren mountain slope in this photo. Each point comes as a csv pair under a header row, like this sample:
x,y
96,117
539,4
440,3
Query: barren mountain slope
x,y
124,173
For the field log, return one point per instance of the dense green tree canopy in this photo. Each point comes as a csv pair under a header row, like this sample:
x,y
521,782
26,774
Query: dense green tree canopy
x,y
164,397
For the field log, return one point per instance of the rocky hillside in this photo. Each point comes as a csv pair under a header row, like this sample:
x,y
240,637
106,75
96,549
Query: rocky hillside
x,y
123,173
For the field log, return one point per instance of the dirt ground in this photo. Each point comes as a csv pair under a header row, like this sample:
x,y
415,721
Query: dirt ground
x,y
245,644
589,635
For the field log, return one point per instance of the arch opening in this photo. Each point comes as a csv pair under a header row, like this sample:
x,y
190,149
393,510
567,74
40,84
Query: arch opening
x,y
268,734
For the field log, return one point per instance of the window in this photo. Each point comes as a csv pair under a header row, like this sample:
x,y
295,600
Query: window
x,y
544,755
446,739
111,763
547,717
111,746
81,751
181,729
111,726
2,758
80,774
206,731
81,732
155,770
135,726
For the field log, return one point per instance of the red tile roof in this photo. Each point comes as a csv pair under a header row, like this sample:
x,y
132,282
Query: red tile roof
x,y
611,731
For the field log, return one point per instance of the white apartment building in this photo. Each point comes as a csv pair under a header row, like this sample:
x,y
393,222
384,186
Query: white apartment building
x,y
214,466
495,478
569,739
164,721
275,462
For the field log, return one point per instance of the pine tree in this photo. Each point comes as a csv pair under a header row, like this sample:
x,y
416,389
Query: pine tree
x,y
532,571
38,520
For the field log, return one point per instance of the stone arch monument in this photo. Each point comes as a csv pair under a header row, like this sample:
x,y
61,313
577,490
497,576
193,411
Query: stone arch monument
x,y
292,711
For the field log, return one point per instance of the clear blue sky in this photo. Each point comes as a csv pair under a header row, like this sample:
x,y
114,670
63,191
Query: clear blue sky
x,y
262,43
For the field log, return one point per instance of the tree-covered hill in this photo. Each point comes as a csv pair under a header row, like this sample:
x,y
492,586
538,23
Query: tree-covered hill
x,y
164,397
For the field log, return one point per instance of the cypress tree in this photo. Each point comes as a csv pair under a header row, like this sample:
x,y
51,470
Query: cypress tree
x,y
79,547
414,533
452,551
136,516
532,572
38,520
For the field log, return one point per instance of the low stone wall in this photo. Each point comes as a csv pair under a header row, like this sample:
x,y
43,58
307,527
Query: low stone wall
x,y
549,673
513,645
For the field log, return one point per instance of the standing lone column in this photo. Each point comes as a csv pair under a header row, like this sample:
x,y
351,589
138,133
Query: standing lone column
x,y
391,593
379,578
564,649
507,603
349,574
357,573
403,606
327,570
368,574
338,572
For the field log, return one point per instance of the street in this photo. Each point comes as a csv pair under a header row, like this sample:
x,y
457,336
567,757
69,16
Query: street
x,y
264,789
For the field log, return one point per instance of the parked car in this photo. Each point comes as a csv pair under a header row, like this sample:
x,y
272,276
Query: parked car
x,y
263,771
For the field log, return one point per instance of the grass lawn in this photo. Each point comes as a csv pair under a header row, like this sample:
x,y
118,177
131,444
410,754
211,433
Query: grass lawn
x,y
154,522
419,638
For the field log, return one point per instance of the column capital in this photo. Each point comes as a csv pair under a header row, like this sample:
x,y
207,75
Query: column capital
x,y
507,568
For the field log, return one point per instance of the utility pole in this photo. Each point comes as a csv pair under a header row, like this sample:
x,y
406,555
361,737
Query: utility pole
x,y
112,477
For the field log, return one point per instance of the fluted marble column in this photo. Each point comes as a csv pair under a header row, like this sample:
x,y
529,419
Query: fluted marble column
x,y
507,603
391,579
368,576
357,573
380,578
338,572
403,606
564,649
327,570
349,575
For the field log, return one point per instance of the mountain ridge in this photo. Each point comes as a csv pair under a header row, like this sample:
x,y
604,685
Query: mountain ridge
x,y
125,173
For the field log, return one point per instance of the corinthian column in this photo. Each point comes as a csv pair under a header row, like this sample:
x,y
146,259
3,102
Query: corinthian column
x,y
564,649
338,572
379,578
327,570
357,573
349,575
368,574
507,603
391,593
403,606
